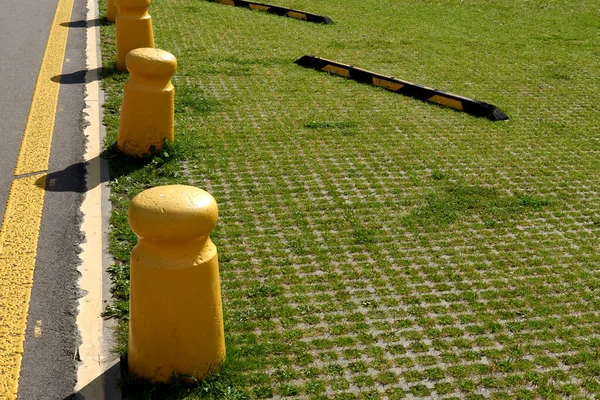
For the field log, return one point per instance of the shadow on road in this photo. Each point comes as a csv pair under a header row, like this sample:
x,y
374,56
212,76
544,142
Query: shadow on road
x,y
81,76
70,179
84,24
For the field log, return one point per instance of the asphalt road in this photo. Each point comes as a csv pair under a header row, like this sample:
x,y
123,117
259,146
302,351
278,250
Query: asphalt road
x,y
50,350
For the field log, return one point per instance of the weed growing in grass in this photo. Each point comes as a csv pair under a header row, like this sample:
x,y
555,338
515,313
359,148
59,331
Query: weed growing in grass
x,y
191,99
448,204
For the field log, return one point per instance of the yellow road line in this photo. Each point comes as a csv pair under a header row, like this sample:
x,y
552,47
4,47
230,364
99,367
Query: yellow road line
x,y
20,229
18,238
35,148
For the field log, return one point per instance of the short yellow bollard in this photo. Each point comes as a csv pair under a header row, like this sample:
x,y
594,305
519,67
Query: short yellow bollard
x,y
148,108
175,309
111,11
134,28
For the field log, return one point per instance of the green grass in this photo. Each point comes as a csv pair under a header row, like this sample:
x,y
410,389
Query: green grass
x,y
370,244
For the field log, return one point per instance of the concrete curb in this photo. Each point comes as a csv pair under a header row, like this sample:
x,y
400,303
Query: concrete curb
x,y
99,370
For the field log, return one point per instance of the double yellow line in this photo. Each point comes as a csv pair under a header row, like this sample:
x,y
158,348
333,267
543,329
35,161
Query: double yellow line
x,y
20,228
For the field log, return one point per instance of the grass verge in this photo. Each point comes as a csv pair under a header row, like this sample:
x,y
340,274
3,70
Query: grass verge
x,y
372,245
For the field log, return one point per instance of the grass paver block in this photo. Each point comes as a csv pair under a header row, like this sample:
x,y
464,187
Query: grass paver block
x,y
374,246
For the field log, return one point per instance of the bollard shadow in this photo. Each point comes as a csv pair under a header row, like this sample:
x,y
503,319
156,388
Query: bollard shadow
x,y
84,24
77,77
112,71
106,383
117,382
134,387
72,178
122,164
222,382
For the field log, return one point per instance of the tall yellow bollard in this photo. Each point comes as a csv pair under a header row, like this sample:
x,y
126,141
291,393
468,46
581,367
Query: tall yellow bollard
x,y
175,311
148,108
111,11
134,28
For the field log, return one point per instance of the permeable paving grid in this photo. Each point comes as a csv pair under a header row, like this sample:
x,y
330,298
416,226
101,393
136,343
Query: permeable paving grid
x,y
373,245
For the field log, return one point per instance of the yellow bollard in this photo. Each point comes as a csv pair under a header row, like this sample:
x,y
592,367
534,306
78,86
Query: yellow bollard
x,y
111,11
175,310
134,28
148,108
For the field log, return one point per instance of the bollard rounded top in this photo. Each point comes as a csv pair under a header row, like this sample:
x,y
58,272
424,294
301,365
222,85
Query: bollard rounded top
x,y
151,62
173,212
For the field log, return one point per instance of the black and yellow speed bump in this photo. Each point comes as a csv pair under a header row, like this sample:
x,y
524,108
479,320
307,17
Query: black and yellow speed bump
x,y
470,106
282,11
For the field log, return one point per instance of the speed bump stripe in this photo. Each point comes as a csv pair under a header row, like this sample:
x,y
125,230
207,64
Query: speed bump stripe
x,y
385,83
460,103
446,101
277,10
297,15
259,7
337,70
